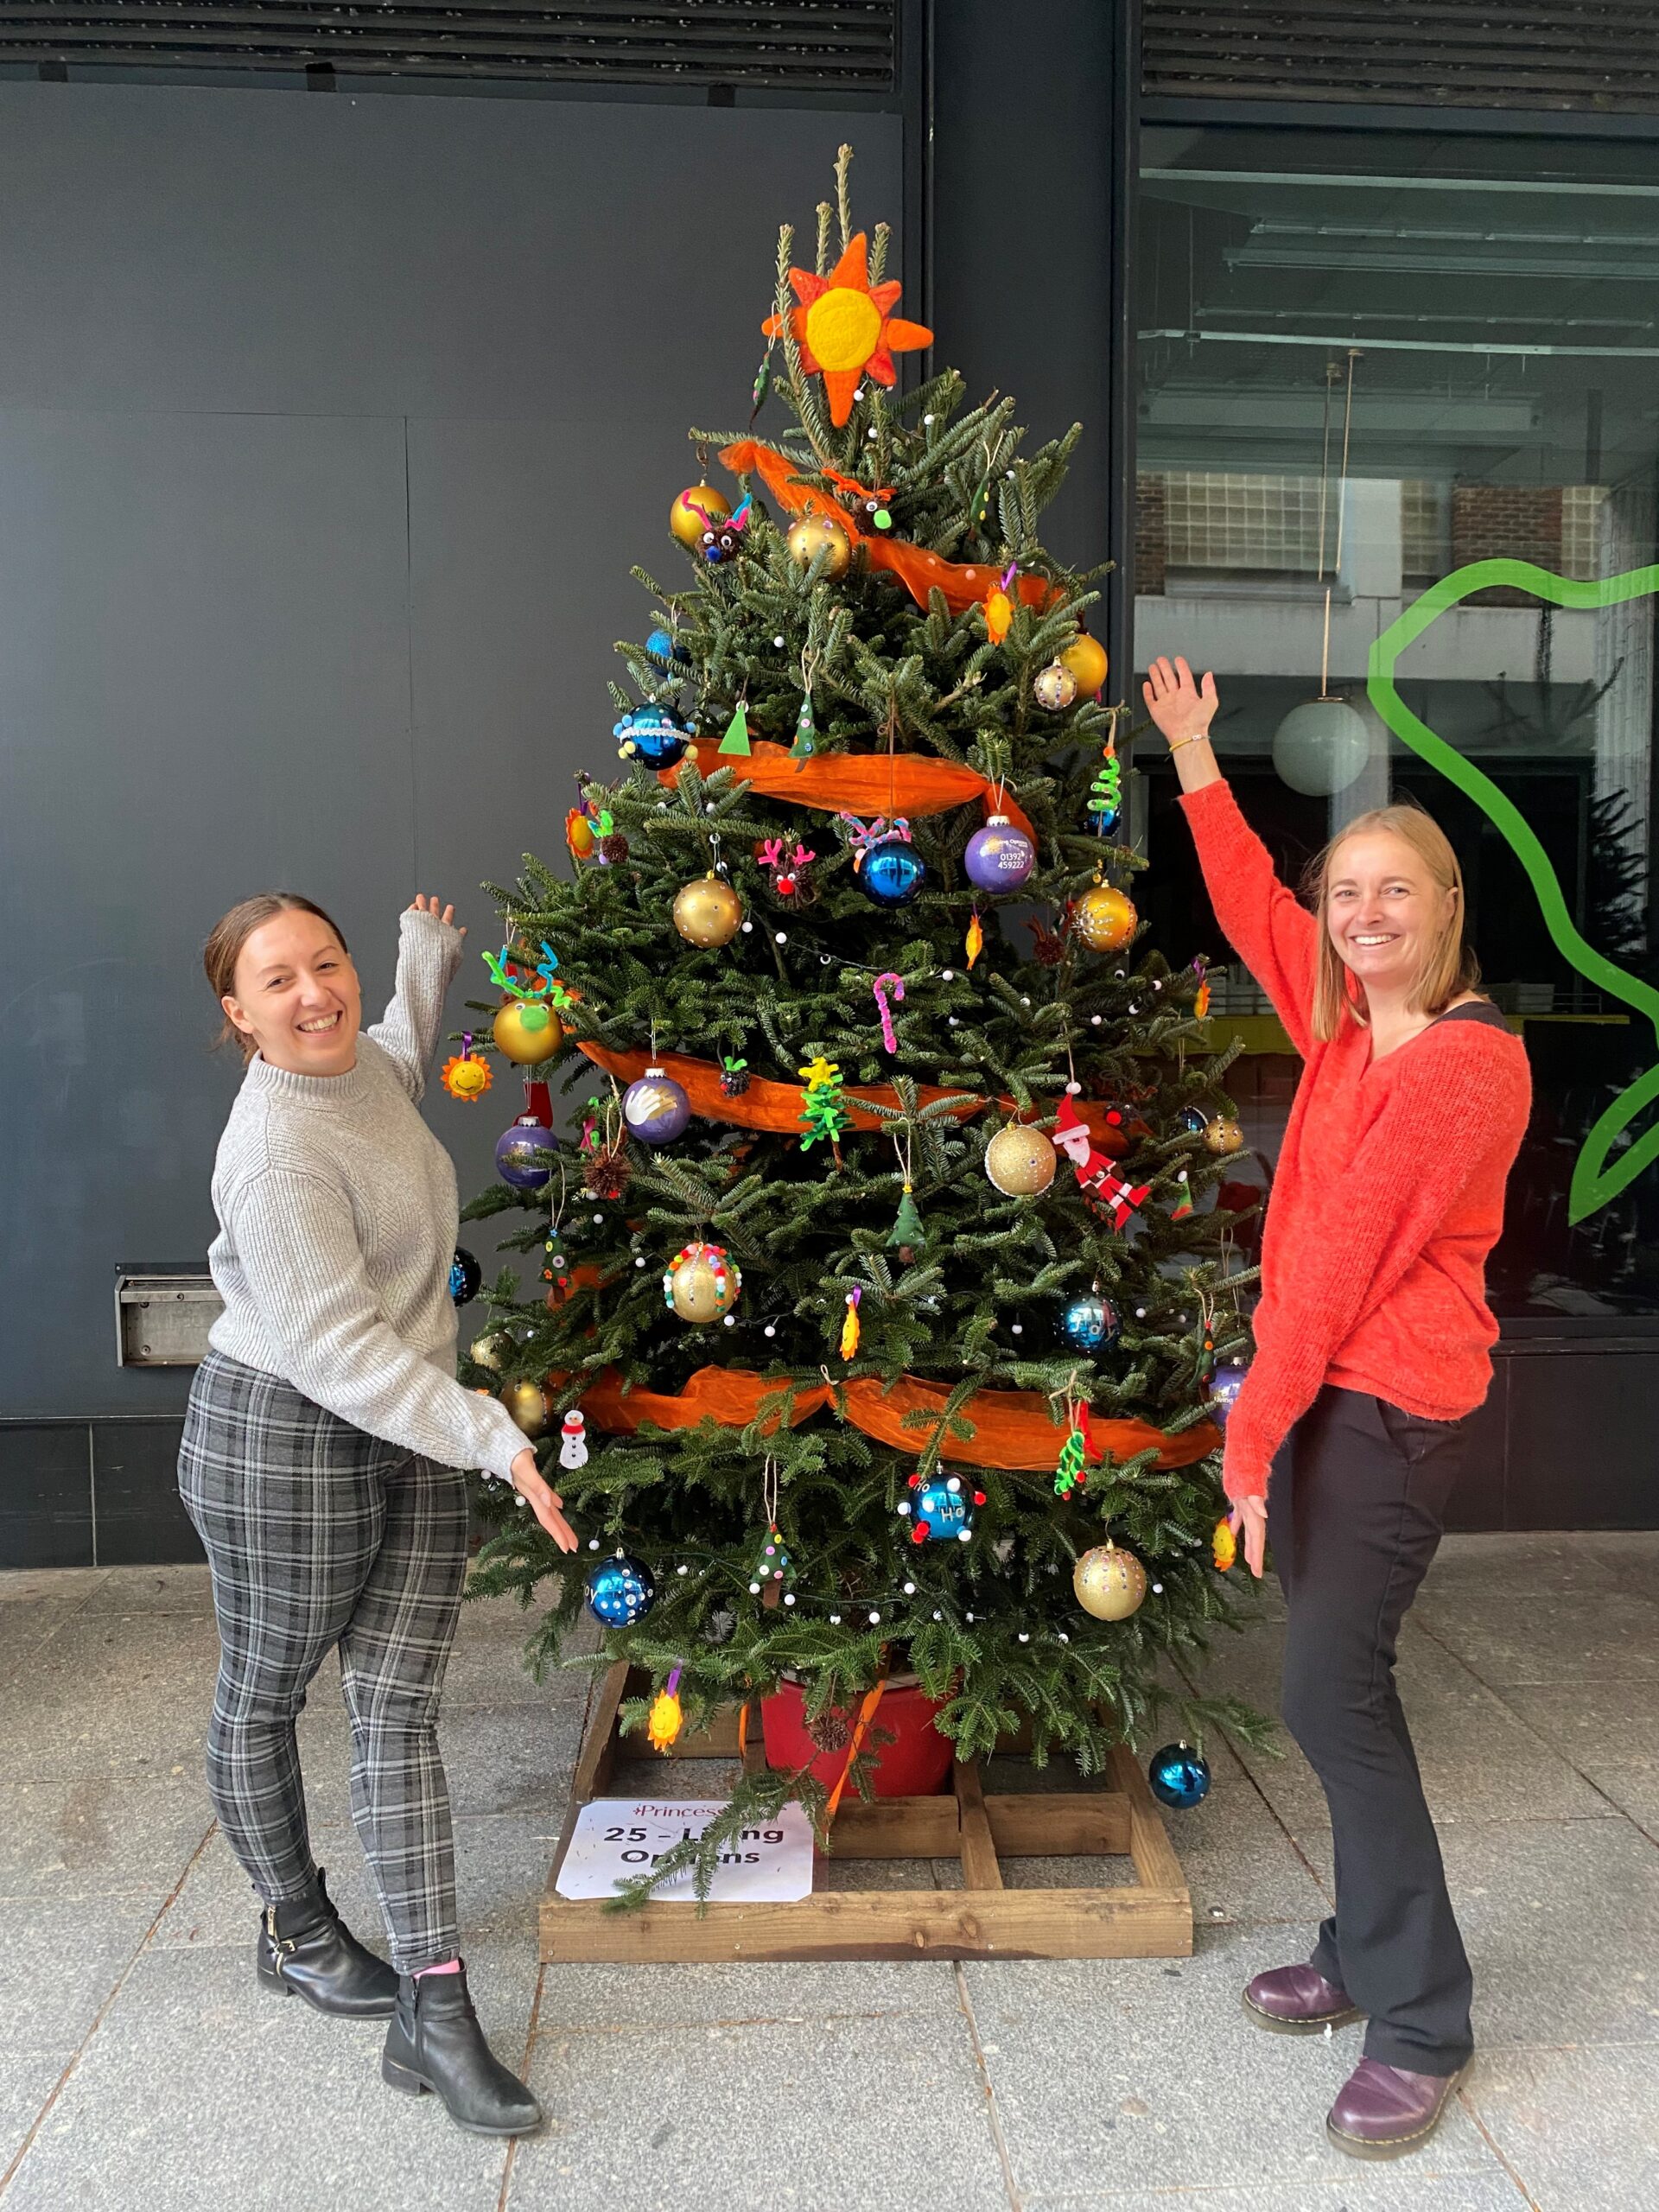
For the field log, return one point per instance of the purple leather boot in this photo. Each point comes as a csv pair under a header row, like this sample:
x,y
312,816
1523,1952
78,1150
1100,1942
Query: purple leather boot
x,y
1383,2111
1298,2001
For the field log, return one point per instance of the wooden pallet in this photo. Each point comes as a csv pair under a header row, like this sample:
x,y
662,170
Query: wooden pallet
x,y
1149,1918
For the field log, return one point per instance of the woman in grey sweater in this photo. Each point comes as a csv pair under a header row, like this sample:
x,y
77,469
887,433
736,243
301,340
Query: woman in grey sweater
x,y
319,1462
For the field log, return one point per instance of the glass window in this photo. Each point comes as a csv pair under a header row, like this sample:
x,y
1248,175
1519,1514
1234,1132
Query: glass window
x,y
1364,361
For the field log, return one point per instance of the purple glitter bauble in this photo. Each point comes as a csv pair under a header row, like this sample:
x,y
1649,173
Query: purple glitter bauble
x,y
515,1154
1224,1386
656,1108
999,857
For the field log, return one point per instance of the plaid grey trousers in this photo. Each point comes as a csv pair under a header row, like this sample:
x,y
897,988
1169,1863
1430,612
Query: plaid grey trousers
x,y
319,1534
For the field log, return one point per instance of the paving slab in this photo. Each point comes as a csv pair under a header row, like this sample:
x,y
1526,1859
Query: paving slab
x,y
864,2115
101,1835
1561,1925
66,1582
578,1997
201,2094
153,1590
1581,2127
117,1694
1610,1732
1544,1635
1393,2188
27,2080
26,1623
1147,2073
60,1958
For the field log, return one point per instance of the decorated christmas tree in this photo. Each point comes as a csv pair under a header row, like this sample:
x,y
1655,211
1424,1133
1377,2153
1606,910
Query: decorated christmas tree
x,y
887,1313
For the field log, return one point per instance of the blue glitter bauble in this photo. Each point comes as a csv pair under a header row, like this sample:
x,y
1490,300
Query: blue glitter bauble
x,y
1194,1122
1224,1386
892,873
1180,1776
621,1591
940,1507
663,646
1089,1321
653,734
515,1154
465,1276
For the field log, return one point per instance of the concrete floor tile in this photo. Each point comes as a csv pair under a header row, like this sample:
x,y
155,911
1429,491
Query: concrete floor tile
x,y
27,2080
72,1583
153,1590
1561,1925
60,1959
26,1623
1478,1564
509,1758
864,2115
201,2093
578,1997
1147,2073
110,1695
1581,2128
1397,2187
99,1836
1609,1635
1609,1732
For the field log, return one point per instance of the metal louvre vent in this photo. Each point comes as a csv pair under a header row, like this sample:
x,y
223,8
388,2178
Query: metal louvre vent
x,y
846,46
1595,55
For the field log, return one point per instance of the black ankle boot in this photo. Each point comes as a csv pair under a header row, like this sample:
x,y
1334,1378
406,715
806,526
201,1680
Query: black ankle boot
x,y
306,1950
434,2042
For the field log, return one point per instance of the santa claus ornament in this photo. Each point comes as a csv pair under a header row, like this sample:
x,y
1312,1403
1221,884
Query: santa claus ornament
x,y
1098,1178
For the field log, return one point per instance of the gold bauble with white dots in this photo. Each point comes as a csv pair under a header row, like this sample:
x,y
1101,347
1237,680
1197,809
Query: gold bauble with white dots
x,y
1104,918
1110,1583
1224,1134
709,912
685,520
527,1403
1019,1162
820,533
1055,687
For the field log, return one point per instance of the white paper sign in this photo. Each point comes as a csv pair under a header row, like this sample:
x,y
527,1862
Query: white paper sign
x,y
618,1838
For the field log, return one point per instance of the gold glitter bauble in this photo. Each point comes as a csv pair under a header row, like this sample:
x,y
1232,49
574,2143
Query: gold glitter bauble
x,y
1019,1162
708,913
527,1403
815,534
1110,1583
1055,687
1084,659
700,1282
1224,1134
527,1031
1104,919
683,520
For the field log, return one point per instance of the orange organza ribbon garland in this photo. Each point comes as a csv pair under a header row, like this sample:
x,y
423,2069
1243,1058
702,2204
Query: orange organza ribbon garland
x,y
769,1105
1012,1428
964,583
856,783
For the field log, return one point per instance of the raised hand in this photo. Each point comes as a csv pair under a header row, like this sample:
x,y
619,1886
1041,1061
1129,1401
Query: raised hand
x,y
419,906
1180,707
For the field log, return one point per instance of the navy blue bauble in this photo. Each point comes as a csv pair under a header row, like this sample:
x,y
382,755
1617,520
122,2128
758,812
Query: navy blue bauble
x,y
655,736
892,873
1088,1321
465,1276
621,1591
663,647
1224,1386
515,1151
1180,1776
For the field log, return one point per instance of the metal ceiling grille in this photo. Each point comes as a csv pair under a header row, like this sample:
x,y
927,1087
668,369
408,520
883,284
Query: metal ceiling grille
x,y
839,46
1588,55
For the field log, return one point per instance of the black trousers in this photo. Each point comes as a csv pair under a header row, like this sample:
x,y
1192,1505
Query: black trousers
x,y
1355,1513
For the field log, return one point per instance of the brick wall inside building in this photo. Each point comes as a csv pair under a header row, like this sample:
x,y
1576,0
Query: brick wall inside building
x,y
1508,521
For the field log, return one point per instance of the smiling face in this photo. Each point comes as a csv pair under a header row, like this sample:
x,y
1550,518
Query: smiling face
x,y
1385,914
297,996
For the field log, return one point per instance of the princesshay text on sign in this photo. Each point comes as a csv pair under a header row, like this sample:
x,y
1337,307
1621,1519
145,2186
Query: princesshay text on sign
x,y
618,1838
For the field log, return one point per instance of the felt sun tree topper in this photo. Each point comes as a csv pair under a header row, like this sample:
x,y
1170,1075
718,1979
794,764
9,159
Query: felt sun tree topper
x,y
845,328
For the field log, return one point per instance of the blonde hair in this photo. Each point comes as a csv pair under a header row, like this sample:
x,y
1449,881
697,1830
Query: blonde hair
x,y
1449,966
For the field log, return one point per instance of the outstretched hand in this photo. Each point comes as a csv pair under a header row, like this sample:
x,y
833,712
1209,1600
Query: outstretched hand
x,y
1249,1519
1181,707
419,906
530,1485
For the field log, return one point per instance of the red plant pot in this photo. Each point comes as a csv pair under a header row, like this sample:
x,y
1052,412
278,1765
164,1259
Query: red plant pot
x,y
913,1763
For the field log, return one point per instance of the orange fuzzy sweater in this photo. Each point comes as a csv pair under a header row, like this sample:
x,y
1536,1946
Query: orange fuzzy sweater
x,y
1388,1192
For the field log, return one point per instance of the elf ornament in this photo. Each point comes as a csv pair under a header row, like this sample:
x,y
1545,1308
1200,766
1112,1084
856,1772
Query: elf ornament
x,y
999,857
708,913
701,1283
656,1108
1098,1178
1110,1583
573,1439
1019,1161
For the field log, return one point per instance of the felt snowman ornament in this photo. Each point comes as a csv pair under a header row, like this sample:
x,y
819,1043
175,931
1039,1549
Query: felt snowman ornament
x,y
572,1447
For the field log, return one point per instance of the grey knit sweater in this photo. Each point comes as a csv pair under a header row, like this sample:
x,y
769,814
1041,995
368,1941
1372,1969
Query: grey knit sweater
x,y
337,1216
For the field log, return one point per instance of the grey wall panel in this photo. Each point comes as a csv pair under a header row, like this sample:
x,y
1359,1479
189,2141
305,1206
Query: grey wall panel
x,y
328,431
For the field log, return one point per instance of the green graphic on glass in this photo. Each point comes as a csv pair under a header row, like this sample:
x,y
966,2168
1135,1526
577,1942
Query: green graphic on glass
x,y
1596,1178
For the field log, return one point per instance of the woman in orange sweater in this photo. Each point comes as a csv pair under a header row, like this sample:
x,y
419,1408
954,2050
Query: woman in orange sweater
x,y
1373,1338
